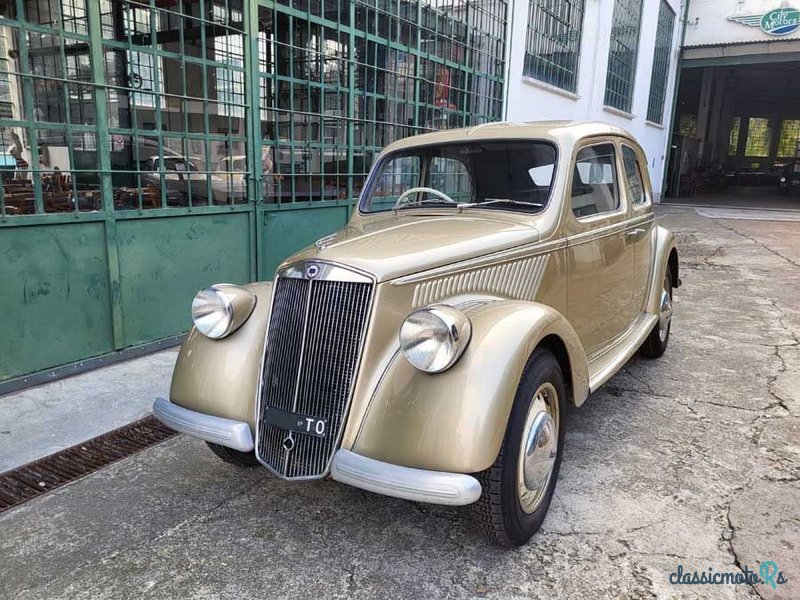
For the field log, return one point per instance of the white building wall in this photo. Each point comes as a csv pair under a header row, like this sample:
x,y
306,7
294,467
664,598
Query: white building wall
x,y
531,100
709,22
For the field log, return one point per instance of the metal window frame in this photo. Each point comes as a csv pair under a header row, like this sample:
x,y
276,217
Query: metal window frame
x,y
623,54
554,26
661,60
430,36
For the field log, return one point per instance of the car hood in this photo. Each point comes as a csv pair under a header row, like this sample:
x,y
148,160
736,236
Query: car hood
x,y
395,245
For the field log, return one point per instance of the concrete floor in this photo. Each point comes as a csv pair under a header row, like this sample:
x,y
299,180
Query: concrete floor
x,y
692,460
741,196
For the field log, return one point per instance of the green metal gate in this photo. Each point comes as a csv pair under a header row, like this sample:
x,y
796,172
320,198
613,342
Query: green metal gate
x,y
148,149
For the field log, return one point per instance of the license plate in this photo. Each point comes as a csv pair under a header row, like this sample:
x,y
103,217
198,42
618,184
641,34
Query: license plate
x,y
296,422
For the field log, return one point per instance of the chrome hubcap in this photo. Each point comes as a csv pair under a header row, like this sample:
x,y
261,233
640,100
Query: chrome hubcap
x,y
665,311
539,448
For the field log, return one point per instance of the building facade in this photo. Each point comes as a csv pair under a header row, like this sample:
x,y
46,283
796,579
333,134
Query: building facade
x,y
149,148
605,60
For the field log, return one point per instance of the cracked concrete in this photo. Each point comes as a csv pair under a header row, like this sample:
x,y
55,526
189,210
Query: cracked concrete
x,y
692,460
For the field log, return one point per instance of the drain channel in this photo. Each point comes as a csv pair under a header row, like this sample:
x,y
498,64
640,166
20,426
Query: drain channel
x,y
46,474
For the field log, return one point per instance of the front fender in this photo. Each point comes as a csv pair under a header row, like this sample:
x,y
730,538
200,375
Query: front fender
x,y
220,377
455,421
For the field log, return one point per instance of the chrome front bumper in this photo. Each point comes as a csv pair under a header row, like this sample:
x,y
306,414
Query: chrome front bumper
x,y
434,487
419,485
225,432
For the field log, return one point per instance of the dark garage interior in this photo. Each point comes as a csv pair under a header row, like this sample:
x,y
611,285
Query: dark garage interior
x,y
736,134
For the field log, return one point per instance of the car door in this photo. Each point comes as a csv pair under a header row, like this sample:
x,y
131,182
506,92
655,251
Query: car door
x,y
599,256
640,231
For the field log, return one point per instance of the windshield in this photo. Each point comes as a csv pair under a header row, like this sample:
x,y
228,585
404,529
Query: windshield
x,y
506,175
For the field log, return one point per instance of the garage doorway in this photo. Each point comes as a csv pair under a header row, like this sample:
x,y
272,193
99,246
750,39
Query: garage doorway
x,y
736,138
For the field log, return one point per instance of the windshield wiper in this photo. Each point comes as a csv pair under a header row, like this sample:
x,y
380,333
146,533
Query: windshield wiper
x,y
416,203
498,201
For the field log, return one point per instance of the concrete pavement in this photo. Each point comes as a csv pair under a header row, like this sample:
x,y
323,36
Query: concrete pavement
x,y
690,460
47,418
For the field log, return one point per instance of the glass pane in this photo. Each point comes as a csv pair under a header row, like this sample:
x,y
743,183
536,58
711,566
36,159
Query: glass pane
x,y
68,170
322,134
759,136
498,175
552,48
450,175
790,136
67,14
397,176
733,139
661,59
15,172
594,182
633,176
623,53
177,103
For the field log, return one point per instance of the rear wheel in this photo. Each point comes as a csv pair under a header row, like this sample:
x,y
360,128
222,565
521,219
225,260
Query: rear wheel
x,y
518,487
656,343
234,457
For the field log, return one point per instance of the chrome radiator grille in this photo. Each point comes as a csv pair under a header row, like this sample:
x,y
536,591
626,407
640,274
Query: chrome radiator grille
x,y
313,343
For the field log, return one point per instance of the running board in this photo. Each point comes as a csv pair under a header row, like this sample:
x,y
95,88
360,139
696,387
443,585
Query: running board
x,y
611,360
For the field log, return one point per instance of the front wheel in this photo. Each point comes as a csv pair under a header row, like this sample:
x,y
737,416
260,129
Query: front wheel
x,y
518,487
656,343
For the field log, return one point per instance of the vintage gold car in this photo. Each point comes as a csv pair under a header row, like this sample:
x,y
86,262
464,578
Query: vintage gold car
x,y
490,278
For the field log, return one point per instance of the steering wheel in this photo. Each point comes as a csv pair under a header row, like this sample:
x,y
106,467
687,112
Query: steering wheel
x,y
417,190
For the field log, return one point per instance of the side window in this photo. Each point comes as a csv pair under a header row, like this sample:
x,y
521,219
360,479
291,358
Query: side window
x,y
594,182
633,176
450,175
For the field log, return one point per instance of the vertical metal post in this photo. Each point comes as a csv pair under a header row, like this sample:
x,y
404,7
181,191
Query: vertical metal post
x,y
96,57
669,126
28,105
351,105
253,131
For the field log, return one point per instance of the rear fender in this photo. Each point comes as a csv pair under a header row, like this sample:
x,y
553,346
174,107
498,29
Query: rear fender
x,y
664,241
455,421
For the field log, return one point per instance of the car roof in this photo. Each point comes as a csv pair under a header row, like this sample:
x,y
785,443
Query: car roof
x,y
561,132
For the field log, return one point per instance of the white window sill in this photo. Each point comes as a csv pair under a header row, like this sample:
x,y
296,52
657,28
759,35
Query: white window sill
x,y
655,125
549,88
619,113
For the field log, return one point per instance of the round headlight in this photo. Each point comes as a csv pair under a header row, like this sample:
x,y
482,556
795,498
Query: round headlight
x,y
433,338
221,309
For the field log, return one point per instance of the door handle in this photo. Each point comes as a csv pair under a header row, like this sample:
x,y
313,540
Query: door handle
x,y
633,232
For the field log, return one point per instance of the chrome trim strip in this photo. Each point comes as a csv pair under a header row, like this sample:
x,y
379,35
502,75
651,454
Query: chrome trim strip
x,y
261,377
627,348
318,270
225,432
419,485
356,377
611,229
